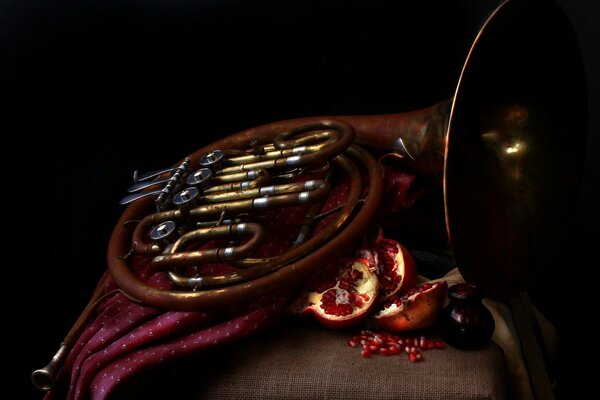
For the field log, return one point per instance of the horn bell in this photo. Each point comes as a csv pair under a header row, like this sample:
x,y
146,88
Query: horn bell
x,y
516,145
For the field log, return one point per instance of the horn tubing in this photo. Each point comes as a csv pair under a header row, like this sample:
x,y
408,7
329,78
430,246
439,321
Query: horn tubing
x,y
294,253
261,178
288,276
260,191
185,259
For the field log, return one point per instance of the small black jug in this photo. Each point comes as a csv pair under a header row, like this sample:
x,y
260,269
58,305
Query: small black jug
x,y
466,323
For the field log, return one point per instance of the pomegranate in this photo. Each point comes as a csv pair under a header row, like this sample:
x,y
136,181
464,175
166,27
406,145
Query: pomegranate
x,y
397,271
416,309
343,294
394,266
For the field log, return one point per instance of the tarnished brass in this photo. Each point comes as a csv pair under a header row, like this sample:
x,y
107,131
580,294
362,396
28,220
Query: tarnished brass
x,y
176,257
253,268
239,181
286,276
263,191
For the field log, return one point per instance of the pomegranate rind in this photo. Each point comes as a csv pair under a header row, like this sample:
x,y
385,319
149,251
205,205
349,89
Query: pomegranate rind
x,y
367,287
407,270
404,267
416,311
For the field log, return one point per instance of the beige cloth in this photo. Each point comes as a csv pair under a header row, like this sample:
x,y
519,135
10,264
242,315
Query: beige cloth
x,y
506,337
300,359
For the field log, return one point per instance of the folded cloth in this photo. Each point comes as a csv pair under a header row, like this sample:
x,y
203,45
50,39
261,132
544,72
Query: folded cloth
x,y
506,337
125,338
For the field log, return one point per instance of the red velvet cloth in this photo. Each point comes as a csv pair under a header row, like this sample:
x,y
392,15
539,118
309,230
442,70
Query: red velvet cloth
x,y
126,338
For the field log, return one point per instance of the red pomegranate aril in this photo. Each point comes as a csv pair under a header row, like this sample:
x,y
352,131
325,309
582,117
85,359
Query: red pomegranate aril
x,y
394,266
384,351
351,294
387,344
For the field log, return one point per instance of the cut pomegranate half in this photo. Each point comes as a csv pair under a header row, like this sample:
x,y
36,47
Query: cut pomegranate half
x,y
343,294
394,266
397,272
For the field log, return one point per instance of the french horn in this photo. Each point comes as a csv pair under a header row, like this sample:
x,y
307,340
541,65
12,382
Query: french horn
x,y
507,147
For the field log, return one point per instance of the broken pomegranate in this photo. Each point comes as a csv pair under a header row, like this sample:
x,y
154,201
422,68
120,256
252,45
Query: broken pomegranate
x,y
417,309
393,264
343,294
396,269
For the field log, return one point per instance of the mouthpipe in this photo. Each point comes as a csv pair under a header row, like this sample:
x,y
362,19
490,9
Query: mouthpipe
x,y
44,378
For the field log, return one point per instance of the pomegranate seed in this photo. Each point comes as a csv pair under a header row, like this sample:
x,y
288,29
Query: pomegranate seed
x,y
388,344
384,351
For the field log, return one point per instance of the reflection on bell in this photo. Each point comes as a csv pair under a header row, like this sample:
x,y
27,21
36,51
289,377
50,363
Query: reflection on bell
x,y
515,149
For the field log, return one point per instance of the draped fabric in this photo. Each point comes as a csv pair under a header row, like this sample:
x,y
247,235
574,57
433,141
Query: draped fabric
x,y
125,338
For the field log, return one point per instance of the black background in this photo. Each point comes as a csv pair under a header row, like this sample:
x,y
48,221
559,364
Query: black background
x,y
92,90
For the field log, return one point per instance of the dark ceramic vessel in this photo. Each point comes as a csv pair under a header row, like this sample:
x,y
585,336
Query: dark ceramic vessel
x,y
466,323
